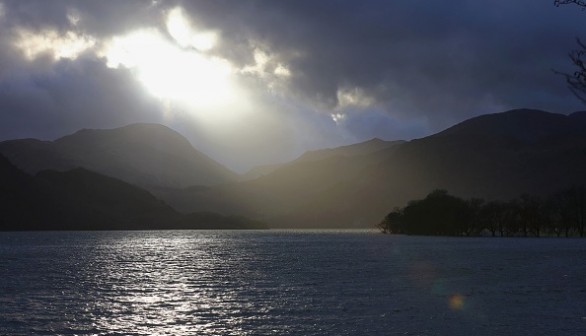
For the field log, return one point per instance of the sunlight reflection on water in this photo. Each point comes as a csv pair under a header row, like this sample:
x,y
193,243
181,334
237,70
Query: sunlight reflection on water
x,y
174,285
287,282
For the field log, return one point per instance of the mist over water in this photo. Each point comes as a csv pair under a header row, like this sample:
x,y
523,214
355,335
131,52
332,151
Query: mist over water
x,y
288,282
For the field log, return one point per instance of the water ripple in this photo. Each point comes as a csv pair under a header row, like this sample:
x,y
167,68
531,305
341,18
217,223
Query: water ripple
x,y
287,283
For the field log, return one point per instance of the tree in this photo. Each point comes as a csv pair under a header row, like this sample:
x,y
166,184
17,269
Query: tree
x,y
577,199
560,214
494,217
438,214
577,80
474,214
531,215
442,214
392,223
581,3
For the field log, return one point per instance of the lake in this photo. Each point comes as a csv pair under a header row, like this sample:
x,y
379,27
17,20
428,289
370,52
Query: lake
x,y
288,283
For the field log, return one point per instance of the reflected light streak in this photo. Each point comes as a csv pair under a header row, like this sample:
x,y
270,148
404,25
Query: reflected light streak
x,y
174,285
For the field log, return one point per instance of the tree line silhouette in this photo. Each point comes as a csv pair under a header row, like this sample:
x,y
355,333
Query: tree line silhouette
x,y
441,214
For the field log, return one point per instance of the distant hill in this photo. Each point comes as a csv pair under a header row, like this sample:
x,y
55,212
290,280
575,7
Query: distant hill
x,y
86,200
19,196
518,127
496,156
502,155
259,171
148,155
83,200
362,148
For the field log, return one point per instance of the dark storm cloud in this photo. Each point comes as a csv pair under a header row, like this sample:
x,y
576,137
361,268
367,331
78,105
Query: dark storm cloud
x,y
75,95
432,59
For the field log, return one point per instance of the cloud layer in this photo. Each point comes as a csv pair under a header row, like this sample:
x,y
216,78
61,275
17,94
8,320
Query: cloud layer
x,y
302,74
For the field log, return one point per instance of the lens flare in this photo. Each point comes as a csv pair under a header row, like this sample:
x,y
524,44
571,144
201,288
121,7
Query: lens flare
x,y
456,301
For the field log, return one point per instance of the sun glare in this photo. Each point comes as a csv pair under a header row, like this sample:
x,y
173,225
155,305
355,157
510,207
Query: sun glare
x,y
182,31
177,66
170,72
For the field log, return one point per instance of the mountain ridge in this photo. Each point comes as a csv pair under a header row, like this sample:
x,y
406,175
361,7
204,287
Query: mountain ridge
x,y
143,154
360,148
480,157
523,125
80,199
494,156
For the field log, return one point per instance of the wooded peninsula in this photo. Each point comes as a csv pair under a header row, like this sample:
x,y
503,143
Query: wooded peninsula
x,y
441,214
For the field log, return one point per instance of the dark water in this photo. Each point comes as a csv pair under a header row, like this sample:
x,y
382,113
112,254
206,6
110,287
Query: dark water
x,y
288,283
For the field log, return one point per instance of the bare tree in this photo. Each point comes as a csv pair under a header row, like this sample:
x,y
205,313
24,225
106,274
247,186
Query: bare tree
x,y
581,3
577,80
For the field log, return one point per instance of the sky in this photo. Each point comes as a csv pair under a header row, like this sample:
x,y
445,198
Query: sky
x,y
260,82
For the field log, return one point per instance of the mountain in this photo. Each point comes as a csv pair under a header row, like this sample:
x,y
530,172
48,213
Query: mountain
x,y
502,155
148,155
259,171
358,149
362,148
496,156
83,200
86,200
522,126
18,196
76,199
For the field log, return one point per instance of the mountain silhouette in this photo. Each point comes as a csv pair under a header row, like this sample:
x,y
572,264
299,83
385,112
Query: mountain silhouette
x,y
502,155
19,196
496,156
362,148
79,199
148,155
